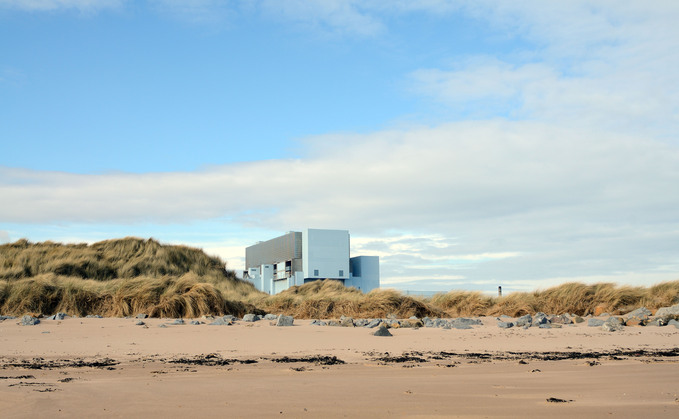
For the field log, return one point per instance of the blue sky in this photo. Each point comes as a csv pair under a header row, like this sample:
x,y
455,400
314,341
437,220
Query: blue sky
x,y
470,144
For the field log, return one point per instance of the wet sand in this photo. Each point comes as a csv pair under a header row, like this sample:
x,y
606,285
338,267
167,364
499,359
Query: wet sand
x,y
113,368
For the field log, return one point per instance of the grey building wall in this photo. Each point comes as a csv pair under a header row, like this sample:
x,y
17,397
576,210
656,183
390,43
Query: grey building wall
x,y
285,247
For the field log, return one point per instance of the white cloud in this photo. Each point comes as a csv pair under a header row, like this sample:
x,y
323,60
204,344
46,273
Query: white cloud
x,y
194,11
47,5
497,200
335,16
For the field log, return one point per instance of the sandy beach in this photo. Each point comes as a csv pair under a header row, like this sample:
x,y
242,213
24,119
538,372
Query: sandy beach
x,y
89,367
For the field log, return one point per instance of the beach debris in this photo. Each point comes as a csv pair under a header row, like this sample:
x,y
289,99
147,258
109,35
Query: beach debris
x,y
196,322
29,321
556,400
211,360
382,331
250,318
142,316
284,320
270,317
505,325
312,359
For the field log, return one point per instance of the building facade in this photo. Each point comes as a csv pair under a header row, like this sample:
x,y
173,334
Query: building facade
x,y
296,258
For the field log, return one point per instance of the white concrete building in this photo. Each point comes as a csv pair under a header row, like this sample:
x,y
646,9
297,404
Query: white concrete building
x,y
296,258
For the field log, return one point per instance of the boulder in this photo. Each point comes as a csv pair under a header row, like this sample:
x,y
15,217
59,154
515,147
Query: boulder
x,y
663,311
505,325
373,323
413,318
270,317
361,322
562,319
548,326
142,315
2,318
94,316
29,321
195,322
656,322
599,310
524,320
139,323
641,314
346,321
674,323
221,321
540,318
249,318
615,320
577,319
333,323
318,323
382,331
611,327
58,316
461,326
178,322
634,321
284,320
230,317
468,321
595,322
410,323
392,323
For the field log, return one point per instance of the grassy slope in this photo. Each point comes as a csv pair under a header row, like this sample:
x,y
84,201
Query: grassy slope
x,y
129,276
117,278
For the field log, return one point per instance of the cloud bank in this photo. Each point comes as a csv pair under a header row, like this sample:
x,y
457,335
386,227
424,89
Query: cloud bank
x,y
559,162
537,200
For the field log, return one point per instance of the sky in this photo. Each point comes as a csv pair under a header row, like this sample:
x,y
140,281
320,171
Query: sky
x,y
469,144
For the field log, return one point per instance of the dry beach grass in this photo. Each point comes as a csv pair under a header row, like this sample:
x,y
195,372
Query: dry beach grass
x,y
129,276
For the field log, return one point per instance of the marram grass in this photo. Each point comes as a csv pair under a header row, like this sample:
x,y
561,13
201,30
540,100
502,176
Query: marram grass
x,y
129,276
